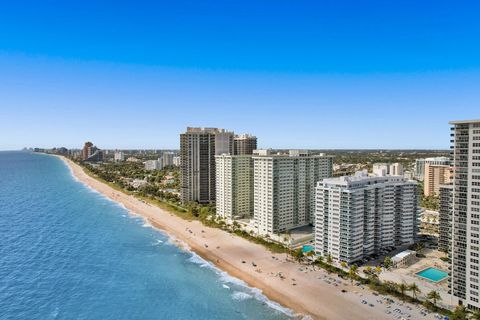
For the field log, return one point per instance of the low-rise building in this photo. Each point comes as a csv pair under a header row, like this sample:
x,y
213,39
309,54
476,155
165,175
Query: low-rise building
x,y
404,259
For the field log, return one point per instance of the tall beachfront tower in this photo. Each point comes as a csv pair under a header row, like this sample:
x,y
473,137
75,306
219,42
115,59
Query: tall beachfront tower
x,y
284,189
445,218
358,216
198,148
234,179
465,273
244,144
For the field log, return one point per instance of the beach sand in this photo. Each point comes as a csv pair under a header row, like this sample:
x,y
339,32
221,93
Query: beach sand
x,y
310,295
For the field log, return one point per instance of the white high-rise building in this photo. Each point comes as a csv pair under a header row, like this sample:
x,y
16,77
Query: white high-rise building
x,y
384,169
358,216
465,240
154,164
395,169
234,186
118,156
284,189
176,161
167,158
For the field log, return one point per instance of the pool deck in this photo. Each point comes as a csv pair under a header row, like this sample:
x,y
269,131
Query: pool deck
x,y
409,276
445,277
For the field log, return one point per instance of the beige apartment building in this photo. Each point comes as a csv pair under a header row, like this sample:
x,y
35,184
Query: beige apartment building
x,y
435,176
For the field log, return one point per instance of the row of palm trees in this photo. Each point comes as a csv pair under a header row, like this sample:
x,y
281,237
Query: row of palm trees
x,y
460,312
433,297
403,288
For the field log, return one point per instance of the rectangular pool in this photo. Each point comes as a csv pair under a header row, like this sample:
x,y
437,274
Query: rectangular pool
x,y
432,274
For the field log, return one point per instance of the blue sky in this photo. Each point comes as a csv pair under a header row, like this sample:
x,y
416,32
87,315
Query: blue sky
x,y
298,74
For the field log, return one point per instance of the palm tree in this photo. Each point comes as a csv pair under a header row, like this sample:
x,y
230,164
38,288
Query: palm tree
x,y
329,259
310,255
475,315
387,262
420,246
414,288
434,296
353,272
402,287
378,270
460,313
343,264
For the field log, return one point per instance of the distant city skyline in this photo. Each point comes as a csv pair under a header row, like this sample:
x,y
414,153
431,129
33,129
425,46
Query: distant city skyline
x,y
339,75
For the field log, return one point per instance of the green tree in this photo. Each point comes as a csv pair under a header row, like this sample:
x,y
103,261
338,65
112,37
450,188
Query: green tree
x,y
414,289
298,255
460,313
475,315
434,296
387,262
402,287
343,264
352,272
329,259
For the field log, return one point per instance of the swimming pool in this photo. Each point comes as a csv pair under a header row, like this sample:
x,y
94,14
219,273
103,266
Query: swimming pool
x,y
306,249
432,274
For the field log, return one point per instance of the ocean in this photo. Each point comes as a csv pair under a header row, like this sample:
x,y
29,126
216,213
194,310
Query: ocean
x,y
67,252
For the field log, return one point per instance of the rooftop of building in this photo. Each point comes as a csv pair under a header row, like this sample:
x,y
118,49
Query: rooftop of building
x,y
403,254
362,178
207,130
244,136
464,121
267,153
437,159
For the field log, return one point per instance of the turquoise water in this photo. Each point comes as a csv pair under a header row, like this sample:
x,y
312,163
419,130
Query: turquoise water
x,y
306,249
432,274
66,252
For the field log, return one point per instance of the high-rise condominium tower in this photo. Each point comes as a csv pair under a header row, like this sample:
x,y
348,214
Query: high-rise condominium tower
x,y
358,216
167,158
119,156
284,189
198,148
420,165
435,176
234,179
465,252
244,144
388,169
87,150
445,213
91,153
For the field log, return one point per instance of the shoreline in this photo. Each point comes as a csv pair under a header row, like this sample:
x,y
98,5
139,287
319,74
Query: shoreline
x,y
303,290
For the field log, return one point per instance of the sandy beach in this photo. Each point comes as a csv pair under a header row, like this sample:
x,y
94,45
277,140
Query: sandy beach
x,y
306,291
